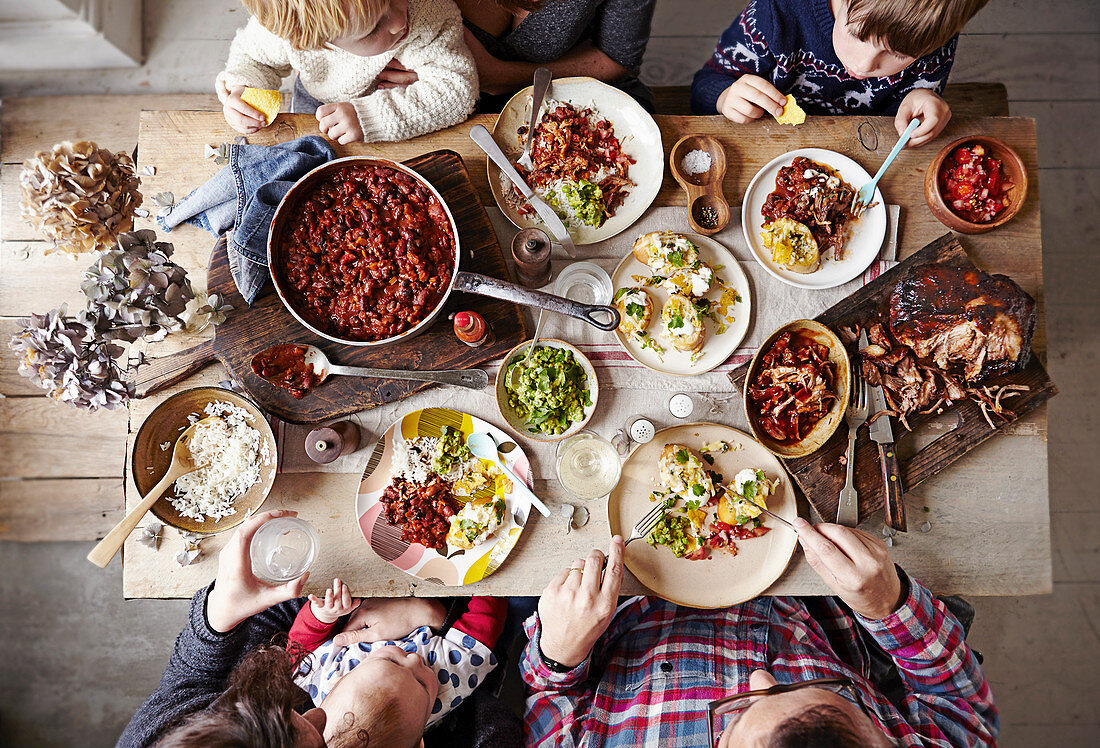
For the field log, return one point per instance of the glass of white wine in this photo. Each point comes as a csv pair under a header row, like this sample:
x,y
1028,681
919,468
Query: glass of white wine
x,y
588,465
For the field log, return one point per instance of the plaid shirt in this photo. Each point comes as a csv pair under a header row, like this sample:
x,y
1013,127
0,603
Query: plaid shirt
x,y
652,673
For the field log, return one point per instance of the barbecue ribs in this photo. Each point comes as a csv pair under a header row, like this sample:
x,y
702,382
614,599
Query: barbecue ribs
x,y
963,321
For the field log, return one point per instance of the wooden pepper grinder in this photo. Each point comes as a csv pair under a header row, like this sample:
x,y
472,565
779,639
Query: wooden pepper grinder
x,y
325,444
531,251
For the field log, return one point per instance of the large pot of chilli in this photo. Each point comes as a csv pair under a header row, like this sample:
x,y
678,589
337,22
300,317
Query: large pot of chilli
x,y
365,252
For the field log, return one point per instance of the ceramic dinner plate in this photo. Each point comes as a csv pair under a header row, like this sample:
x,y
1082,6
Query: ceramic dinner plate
x,y
723,579
865,236
457,567
719,346
637,132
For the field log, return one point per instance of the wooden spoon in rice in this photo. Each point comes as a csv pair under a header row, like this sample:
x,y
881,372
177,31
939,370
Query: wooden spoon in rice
x,y
182,464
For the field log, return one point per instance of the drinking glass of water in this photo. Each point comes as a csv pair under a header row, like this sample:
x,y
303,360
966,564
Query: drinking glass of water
x,y
588,465
283,549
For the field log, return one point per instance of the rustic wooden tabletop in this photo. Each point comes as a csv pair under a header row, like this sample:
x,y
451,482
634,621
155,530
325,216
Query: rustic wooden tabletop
x,y
989,511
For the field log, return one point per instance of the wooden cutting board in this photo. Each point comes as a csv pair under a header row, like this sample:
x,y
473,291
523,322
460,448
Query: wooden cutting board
x,y
820,476
249,330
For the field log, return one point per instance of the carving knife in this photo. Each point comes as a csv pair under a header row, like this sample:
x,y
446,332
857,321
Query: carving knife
x,y
883,435
484,140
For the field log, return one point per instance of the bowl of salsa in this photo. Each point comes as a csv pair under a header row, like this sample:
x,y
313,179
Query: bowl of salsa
x,y
975,184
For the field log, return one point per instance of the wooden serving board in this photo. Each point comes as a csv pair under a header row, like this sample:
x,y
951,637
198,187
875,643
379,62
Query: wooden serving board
x,y
249,330
820,475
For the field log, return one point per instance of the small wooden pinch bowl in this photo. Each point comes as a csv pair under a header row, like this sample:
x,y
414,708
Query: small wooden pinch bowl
x,y
703,190
827,426
149,462
1011,164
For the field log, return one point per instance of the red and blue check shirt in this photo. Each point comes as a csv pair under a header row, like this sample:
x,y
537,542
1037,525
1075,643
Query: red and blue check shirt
x,y
650,676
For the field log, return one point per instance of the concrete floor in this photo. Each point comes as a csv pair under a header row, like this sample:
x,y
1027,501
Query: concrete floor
x,y
77,659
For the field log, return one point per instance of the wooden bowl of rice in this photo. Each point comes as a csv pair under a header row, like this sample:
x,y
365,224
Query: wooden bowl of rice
x,y
243,453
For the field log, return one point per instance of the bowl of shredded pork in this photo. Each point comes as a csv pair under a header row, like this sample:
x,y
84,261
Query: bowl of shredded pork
x,y
236,450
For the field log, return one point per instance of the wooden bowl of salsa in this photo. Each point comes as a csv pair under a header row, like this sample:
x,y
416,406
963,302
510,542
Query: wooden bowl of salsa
x,y
810,342
975,184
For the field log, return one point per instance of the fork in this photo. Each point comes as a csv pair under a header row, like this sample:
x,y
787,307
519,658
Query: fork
x,y
866,193
847,512
645,525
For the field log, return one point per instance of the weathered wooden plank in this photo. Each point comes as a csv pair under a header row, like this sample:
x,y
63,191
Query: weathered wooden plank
x,y
79,509
36,123
40,438
1067,139
32,281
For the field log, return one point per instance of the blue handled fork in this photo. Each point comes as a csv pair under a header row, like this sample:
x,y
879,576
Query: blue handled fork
x,y
867,192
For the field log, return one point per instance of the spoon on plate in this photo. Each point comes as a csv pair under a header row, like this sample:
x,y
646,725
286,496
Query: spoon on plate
x,y
474,379
483,446
867,192
514,372
538,92
182,464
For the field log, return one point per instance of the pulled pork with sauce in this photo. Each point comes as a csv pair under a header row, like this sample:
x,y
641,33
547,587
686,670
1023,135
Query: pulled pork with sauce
x,y
794,389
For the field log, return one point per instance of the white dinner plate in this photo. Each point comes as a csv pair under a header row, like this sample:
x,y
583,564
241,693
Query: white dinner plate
x,y
634,127
718,346
865,235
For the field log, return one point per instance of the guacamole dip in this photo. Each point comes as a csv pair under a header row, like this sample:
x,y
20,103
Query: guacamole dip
x,y
583,200
673,531
452,450
551,390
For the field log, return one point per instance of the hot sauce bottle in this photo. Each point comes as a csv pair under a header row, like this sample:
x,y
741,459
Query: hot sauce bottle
x,y
471,329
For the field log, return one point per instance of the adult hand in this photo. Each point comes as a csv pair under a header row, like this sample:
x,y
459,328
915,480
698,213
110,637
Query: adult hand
x,y
396,75
240,116
577,606
933,111
237,593
390,619
855,564
340,122
749,99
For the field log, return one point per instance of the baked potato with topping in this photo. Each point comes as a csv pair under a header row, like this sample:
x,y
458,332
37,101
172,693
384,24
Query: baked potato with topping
x,y
635,309
665,252
792,245
694,281
684,324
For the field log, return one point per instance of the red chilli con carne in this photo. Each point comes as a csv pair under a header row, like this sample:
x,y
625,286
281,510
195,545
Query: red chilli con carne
x,y
370,253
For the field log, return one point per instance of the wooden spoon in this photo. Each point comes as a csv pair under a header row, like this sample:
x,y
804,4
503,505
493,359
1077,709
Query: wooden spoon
x,y
181,465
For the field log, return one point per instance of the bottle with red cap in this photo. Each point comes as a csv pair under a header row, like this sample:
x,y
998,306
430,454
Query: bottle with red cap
x,y
471,329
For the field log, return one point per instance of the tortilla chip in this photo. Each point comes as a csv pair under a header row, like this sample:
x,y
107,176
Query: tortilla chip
x,y
792,113
268,102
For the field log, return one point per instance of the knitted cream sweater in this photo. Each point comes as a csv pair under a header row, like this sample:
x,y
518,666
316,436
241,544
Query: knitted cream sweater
x,y
443,96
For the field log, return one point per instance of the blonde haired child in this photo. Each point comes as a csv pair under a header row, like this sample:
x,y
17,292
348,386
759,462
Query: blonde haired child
x,y
340,50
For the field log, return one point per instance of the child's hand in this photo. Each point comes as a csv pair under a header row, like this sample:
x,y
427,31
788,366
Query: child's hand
x,y
396,75
750,98
932,111
338,602
340,122
241,117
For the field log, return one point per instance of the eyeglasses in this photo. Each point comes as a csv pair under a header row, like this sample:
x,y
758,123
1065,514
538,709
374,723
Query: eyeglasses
x,y
724,713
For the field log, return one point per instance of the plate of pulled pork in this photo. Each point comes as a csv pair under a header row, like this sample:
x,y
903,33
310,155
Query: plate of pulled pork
x,y
597,158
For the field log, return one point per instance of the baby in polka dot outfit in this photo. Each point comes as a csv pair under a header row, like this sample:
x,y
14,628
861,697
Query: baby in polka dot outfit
x,y
458,659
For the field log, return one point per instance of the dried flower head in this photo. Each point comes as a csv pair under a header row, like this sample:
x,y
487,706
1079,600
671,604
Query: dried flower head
x,y
61,355
135,290
80,196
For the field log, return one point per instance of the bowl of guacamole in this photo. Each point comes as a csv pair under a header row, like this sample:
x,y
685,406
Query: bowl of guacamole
x,y
554,392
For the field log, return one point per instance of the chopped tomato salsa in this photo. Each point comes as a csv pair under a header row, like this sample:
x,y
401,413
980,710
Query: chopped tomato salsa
x,y
973,183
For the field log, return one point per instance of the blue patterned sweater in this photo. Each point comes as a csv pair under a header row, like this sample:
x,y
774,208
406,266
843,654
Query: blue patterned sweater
x,y
790,43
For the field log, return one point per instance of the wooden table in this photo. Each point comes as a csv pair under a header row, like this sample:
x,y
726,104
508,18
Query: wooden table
x,y
990,517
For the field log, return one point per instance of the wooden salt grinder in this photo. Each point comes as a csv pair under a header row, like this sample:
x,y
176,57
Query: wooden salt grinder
x,y
325,444
531,251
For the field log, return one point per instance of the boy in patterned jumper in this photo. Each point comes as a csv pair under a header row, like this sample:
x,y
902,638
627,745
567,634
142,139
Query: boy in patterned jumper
x,y
426,670
370,70
869,57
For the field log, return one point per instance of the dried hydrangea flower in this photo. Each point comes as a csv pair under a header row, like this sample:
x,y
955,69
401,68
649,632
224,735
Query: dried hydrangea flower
x,y
79,196
62,356
135,290
150,535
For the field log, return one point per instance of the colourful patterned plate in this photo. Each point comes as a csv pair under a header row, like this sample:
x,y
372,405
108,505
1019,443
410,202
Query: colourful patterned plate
x,y
457,567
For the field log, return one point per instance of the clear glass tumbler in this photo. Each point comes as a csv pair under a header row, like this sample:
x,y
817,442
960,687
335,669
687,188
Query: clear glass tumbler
x,y
283,549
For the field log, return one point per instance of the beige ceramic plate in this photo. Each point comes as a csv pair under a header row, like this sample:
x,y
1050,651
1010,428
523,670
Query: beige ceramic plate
x,y
508,413
149,462
718,347
721,580
827,426
634,127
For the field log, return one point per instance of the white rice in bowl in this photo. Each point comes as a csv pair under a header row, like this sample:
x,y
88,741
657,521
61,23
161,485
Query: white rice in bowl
x,y
233,453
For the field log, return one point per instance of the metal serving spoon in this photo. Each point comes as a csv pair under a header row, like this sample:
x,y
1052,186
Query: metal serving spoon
x,y
474,379
181,465
513,373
